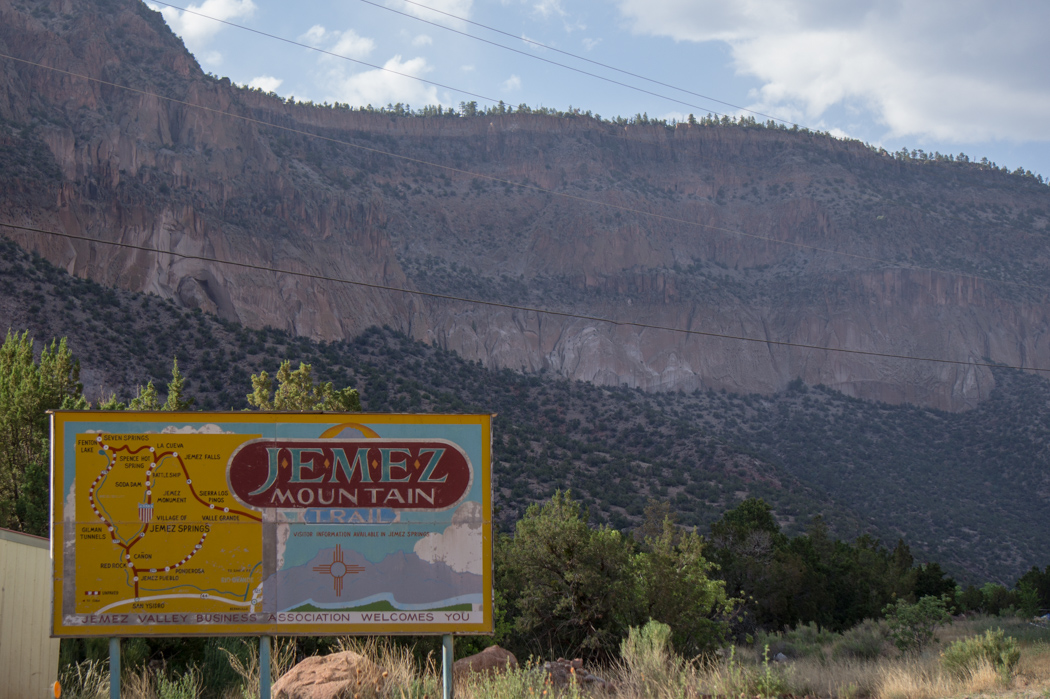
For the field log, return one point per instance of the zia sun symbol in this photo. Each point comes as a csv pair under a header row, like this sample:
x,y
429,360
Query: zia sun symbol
x,y
338,570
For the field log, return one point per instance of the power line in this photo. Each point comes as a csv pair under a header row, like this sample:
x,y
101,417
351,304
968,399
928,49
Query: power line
x,y
515,307
476,38
565,53
533,187
327,53
555,63
429,82
494,100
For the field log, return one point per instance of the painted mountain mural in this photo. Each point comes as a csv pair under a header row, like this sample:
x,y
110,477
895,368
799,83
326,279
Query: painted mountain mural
x,y
400,581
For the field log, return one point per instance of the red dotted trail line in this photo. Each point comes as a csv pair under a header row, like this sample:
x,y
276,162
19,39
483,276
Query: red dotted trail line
x,y
185,472
211,505
149,501
171,566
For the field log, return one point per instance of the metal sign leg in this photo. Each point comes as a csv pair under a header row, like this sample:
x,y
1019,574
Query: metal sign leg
x,y
264,667
114,668
446,666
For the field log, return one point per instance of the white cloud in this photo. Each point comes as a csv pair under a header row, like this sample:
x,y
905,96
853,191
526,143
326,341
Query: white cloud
x,y
460,545
533,44
266,83
348,44
379,87
352,45
546,8
590,44
314,36
422,40
210,58
945,69
197,31
189,429
512,83
459,8
467,68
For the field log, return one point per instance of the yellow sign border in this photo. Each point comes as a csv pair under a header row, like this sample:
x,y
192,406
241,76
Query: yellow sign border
x,y
59,418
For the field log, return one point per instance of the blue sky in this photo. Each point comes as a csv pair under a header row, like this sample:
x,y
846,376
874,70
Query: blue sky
x,y
941,75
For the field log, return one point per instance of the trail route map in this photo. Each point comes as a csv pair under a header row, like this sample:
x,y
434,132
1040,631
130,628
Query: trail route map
x,y
166,539
247,523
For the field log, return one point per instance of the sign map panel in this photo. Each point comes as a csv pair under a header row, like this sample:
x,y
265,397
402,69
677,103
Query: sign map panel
x,y
270,523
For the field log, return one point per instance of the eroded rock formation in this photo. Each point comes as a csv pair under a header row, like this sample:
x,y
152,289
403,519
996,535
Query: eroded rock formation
x,y
767,234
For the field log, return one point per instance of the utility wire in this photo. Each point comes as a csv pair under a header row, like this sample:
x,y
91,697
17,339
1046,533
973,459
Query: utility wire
x,y
277,37
492,100
515,307
429,82
533,187
547,60
564,53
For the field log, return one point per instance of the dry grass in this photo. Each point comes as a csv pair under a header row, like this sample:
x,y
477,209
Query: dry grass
x,y
528,682
88,679
652,673
390,671
282,659
918,678
837,678
152,684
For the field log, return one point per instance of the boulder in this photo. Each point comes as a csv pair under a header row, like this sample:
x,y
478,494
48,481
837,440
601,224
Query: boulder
x,y
491,661
564,672
329,677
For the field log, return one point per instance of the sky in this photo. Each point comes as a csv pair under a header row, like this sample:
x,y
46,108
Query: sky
x,y
938,75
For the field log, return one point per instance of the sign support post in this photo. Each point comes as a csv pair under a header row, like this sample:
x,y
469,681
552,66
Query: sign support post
x,y
446,666
264,667
114,668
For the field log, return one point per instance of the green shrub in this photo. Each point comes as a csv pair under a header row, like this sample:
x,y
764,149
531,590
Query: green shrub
x,y
803,641
769,681
734,679
912,626
864,641
964,656
649,658
187,686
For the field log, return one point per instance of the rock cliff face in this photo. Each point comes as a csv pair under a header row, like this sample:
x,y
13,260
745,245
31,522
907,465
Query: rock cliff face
x,y
721,230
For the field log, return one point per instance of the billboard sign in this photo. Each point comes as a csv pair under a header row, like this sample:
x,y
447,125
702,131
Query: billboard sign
x,y
270,523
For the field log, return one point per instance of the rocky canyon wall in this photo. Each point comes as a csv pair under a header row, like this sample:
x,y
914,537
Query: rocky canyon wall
x,y
772,235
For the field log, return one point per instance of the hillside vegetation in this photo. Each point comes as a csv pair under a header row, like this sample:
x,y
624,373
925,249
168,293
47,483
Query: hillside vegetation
x,y
964,489
717,226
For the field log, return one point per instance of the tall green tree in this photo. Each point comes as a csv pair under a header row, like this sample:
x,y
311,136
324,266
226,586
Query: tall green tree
x,y
912,626
296,391
931,581
568,586
28,389
748,546
176,399
147,397
573,589
676,587
1038,582
808,578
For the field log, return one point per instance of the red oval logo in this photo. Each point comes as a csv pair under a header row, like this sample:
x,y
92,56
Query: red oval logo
x,y
401,474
